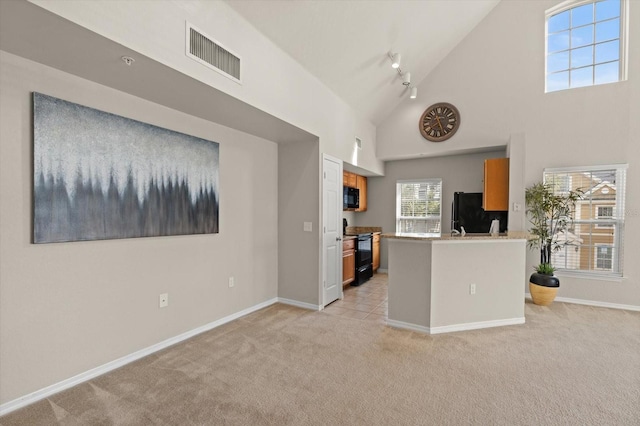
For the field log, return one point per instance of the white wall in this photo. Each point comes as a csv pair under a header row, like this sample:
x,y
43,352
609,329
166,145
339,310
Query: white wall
x,y
69,307
271,80
496,79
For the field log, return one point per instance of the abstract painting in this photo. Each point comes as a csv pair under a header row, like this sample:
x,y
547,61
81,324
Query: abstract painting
x,y
102,176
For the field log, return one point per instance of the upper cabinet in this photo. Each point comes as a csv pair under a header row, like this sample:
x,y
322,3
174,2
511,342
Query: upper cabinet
x,y
353,180
496,185
361,184
349,179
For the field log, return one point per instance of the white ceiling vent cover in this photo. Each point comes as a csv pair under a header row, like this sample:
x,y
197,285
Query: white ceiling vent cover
x,y
210,53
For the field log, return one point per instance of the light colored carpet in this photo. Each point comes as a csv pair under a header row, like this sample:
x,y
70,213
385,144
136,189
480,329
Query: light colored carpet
x,y
568,365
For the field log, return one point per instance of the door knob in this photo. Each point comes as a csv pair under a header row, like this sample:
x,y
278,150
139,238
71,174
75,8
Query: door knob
x,y
338,239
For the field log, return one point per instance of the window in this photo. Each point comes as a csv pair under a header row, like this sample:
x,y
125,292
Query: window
x,y
606,213
418,206
594,238
585,44
604,257
561,183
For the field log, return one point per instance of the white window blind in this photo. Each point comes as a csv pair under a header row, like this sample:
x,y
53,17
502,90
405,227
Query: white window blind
x,y
594,241
419,206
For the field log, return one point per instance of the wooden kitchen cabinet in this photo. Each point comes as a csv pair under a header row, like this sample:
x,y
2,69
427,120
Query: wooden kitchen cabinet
x,y
353,180
361,184
376,252
348,261
496,185
349,179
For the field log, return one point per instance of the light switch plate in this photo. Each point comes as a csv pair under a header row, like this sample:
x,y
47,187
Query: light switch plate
x,y
308,226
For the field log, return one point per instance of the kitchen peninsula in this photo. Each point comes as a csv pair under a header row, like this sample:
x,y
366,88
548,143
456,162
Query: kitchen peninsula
x,y
439,284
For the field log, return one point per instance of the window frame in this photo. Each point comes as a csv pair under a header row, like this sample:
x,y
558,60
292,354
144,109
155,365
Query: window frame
x,y
623,39
617,271
426,218
606,218
595,256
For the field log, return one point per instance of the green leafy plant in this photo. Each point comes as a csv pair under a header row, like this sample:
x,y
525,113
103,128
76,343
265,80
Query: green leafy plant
x,y
549,215
545,268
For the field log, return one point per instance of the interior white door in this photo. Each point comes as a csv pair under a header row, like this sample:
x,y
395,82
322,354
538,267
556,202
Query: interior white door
x,y
332,230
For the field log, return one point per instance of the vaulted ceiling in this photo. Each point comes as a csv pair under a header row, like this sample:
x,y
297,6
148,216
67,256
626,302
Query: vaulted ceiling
x,y
345,43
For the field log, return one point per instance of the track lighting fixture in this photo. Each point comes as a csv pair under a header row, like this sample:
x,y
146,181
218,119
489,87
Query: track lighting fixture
x,y
406,76
406,79
395,60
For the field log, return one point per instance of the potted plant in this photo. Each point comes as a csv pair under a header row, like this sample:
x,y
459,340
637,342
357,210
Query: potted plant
x,y
550,215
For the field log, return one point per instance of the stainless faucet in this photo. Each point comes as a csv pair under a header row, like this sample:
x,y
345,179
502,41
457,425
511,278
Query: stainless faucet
x,y
455,232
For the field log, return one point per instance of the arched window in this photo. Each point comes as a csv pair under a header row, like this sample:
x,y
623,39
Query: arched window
x,y
585,43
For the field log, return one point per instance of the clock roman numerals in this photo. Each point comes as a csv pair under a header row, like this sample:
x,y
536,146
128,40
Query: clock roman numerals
x,y
439,122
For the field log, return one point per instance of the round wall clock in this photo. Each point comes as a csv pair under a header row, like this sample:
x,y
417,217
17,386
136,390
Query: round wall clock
x,y
439,122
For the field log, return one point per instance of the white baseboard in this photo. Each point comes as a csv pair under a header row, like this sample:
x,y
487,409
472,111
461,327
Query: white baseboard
x,y
594,303
302,305
408,326
105,368
455,327
476,325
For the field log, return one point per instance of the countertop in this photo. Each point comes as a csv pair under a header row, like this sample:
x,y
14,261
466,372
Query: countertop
x,y
467,237
355,230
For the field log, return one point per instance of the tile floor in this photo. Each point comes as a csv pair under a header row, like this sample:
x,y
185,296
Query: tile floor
x,y
365,302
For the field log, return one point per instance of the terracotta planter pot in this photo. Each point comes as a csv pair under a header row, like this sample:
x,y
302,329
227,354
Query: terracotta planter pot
x,y
543,288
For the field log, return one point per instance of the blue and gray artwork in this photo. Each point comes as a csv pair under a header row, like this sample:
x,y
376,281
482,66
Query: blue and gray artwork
x,y
102,176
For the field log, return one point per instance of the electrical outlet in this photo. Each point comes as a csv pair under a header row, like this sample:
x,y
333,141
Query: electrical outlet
x,y
232,282
164,300
517,207
472,289
307,227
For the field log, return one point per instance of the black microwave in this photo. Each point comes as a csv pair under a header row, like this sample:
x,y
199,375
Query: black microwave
x,y
351,198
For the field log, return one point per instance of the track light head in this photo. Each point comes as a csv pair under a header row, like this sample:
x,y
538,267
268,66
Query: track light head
x,y
414,93
395,60
406,78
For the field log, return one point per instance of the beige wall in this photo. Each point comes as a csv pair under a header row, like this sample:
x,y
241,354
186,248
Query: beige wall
x,y
299,202
66,308
429,282
496,79
494,266
409,289
458,173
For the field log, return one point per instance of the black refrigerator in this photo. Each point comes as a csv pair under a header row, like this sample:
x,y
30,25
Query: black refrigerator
x,y
467,211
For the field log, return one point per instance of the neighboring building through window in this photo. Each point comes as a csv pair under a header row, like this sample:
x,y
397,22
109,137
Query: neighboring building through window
x,y
604,213
419,206
585,43
594,239
604,257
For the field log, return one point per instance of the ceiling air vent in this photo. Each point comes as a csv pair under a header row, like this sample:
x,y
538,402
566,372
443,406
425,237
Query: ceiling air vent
x,y
212,54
